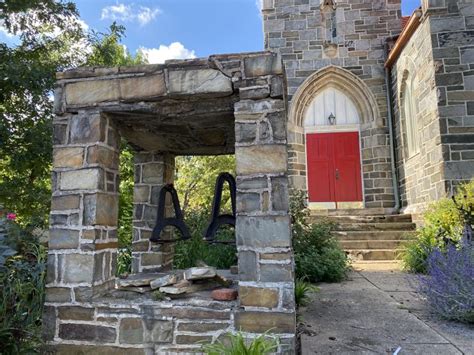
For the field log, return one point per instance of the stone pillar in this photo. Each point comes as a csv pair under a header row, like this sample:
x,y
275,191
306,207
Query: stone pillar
x,y
266,266
84,209
152,171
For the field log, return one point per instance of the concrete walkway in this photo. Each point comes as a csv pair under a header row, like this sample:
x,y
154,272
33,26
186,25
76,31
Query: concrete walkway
x,y
376,312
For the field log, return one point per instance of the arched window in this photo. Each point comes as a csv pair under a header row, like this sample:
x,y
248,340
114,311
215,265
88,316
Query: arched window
x,y
410,112
331,107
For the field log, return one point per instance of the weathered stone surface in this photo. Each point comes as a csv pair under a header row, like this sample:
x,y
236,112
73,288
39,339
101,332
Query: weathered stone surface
x,y
68,157
58,294
100,209
78,268
262,65
165,280
247,267
248,202
254,92
48,323
90,92
102,155
131,331
258,297
152,259
193,339
87,332
203,81
280,194
70,349
142,87
200,273
162,331
87,129
63,239
201,327
261,159
252,184
276,273
66,202
141,193
260,322
75,313
84,179
263,232
152,173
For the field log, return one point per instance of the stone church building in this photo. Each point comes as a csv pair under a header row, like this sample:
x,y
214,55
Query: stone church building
x,y
381,107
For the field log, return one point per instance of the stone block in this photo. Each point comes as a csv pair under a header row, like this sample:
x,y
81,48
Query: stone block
x,y
142,87
261,322
84,179
63,239
102,155
87,332
65,202
263,232
68,157
71,349
162,331
87,128
261,159
254,92
75,313
193,339
258,297
59,134
92,91
48,325
248,202
252,184
58,294
201,327
152,259
202,81
131,331
255,107
280,194
152,173
78,268
141,193
100,209
199,273
262,65
247,266
276,272
245,132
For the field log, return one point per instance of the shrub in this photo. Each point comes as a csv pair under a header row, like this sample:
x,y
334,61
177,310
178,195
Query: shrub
x,y
318,255
444,222
237,345
449,286
22,278
189,252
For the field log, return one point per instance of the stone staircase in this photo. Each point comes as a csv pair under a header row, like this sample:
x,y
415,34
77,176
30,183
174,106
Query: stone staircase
x,y
369,235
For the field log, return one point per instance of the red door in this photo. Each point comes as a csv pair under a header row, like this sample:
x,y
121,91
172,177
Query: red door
x,y
333,167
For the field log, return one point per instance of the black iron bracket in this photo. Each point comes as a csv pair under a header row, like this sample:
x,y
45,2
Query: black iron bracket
x,y
218,220
162,221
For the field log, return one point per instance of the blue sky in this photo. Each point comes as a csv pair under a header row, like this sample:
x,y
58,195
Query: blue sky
x,y
183,28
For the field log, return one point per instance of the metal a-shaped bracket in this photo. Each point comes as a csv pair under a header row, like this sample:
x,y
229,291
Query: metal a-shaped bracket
x,y
218,220
161,221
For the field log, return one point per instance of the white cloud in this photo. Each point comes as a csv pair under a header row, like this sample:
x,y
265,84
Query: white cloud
x,y
174,51
130,13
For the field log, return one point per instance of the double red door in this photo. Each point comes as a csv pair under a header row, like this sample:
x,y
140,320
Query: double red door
x,y
333,167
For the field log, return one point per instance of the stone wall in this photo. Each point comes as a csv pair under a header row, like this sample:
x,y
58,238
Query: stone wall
x,y
311,37
438,54
221,104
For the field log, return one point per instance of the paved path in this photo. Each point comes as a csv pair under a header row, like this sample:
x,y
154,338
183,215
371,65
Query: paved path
x,y
375,312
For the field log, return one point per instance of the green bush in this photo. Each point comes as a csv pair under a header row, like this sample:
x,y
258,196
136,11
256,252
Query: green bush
x,y
22,279
236,344
443,223
318,255
189,252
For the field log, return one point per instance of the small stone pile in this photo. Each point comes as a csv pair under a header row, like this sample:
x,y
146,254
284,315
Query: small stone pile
x,y
180,282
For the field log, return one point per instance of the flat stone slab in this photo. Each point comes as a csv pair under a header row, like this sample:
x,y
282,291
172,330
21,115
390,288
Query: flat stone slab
x,y
136,280
377,312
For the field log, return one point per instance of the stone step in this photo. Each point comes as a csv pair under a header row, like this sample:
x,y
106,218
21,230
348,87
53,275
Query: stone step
x,y
362,219
370,244
373,235
372,254
397,226
354,212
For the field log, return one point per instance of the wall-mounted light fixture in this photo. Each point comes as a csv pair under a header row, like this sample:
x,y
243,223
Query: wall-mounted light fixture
x,y
332,119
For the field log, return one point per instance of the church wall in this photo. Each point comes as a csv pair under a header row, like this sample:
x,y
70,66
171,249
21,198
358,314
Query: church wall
x,y
441,55
310,37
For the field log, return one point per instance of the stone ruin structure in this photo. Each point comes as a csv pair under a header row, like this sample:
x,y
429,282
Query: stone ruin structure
x,y
219,105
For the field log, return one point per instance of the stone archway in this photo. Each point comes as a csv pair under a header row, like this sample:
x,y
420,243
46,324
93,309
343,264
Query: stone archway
x,y
374,143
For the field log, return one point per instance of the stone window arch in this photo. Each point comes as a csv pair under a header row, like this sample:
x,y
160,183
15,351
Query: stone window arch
x,y
409,112
343,81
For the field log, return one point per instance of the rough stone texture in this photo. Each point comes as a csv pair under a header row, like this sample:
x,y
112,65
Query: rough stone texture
x,y
222,104
439,59
314,39
259,297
